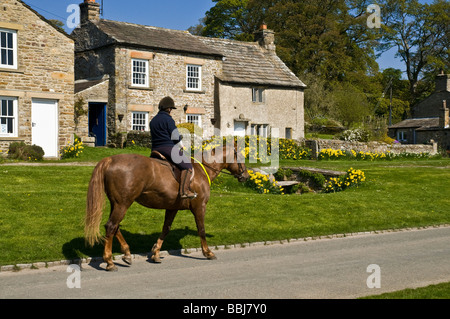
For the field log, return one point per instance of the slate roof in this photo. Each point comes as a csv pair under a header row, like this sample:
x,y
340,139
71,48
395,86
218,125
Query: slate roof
x,y
422,123
243,62
155,38
82,85
248,63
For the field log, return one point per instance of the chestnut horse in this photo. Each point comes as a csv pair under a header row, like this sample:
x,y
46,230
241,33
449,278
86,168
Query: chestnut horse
x,y
127,178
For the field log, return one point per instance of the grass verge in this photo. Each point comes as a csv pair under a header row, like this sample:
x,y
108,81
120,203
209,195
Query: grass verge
x,y
439,291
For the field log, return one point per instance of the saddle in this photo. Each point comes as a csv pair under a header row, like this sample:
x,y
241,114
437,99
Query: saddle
x,y
161,159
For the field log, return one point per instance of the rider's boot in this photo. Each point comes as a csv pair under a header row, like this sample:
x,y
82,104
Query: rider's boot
x,y
185,192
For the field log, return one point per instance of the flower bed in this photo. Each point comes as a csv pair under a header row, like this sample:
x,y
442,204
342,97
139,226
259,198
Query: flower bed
x,y
351,179
72,150
263,184
331,154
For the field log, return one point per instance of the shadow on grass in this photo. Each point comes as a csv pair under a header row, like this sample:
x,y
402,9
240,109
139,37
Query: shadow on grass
x,y
139,243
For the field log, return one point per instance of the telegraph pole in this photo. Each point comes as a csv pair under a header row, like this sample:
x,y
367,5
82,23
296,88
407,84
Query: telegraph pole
x,y
390,104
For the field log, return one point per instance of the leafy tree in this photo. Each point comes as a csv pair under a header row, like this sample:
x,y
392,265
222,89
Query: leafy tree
x,y
420,32
319,102
352,105
57,23
229,19
392,82
327,38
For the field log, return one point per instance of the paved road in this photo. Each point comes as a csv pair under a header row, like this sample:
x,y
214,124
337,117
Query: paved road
x,y
325,268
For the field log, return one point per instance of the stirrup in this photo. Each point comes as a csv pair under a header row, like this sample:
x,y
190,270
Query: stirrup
x,y
186,196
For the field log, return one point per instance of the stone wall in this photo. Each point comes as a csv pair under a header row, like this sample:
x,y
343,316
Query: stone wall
x,y
45,70
375,147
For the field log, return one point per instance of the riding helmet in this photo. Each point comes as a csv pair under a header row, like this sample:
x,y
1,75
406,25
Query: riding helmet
x,y
166,103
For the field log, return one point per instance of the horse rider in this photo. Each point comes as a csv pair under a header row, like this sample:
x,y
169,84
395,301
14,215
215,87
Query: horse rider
x,y
165,139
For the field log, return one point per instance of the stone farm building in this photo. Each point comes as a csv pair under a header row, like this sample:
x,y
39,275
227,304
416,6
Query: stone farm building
x,y
123,70
430,118
36,80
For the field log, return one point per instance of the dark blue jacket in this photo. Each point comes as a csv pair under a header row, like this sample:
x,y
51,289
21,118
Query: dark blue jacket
x,y
163,129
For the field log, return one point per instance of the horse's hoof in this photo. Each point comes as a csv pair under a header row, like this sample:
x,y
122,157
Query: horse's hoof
x,y
127,260
213,257
156,259
112,268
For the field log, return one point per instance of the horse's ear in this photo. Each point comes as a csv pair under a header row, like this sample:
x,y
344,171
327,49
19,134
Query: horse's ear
x,y
213,151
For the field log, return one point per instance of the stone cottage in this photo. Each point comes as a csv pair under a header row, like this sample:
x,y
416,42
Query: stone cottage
x,y
123,70
430,118
36,80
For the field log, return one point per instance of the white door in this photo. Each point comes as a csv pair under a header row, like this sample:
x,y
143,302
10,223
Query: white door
x,y
239,129
44,132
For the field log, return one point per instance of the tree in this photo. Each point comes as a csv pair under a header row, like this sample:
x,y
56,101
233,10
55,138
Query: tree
x,y
229,19
352,105
420,32
57,24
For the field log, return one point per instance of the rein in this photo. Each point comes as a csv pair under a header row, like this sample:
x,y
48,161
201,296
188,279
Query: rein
x,y
241,169
204,169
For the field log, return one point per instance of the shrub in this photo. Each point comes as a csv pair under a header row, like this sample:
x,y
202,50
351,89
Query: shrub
x,y
282,173
192,128
23,152
355,135
317,180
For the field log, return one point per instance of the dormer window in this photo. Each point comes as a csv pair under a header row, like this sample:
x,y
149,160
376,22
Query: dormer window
x,y
8,49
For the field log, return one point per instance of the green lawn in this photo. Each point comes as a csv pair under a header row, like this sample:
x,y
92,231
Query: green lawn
x,y
42,209
440,291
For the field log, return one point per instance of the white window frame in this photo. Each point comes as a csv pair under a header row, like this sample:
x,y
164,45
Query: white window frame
x,y
193,83
4,117
146,74
258,95
261,130
401,136
139,119
4,48
195,119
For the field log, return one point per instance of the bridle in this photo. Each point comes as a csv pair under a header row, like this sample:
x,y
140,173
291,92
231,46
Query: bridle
x,y
241,168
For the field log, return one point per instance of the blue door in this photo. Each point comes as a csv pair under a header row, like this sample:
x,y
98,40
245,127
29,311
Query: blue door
x,y
97,123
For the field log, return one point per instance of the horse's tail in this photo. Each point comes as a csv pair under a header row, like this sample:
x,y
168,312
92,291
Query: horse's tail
x,y
95,204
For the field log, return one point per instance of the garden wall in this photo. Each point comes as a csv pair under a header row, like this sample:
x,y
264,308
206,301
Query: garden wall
x,y
374,147
132,138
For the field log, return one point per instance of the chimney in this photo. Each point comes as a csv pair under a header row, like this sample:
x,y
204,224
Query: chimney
x,y
444,117
89,11
265,38
443,82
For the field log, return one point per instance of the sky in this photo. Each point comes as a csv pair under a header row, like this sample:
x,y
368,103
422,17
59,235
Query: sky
x,y
170,14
